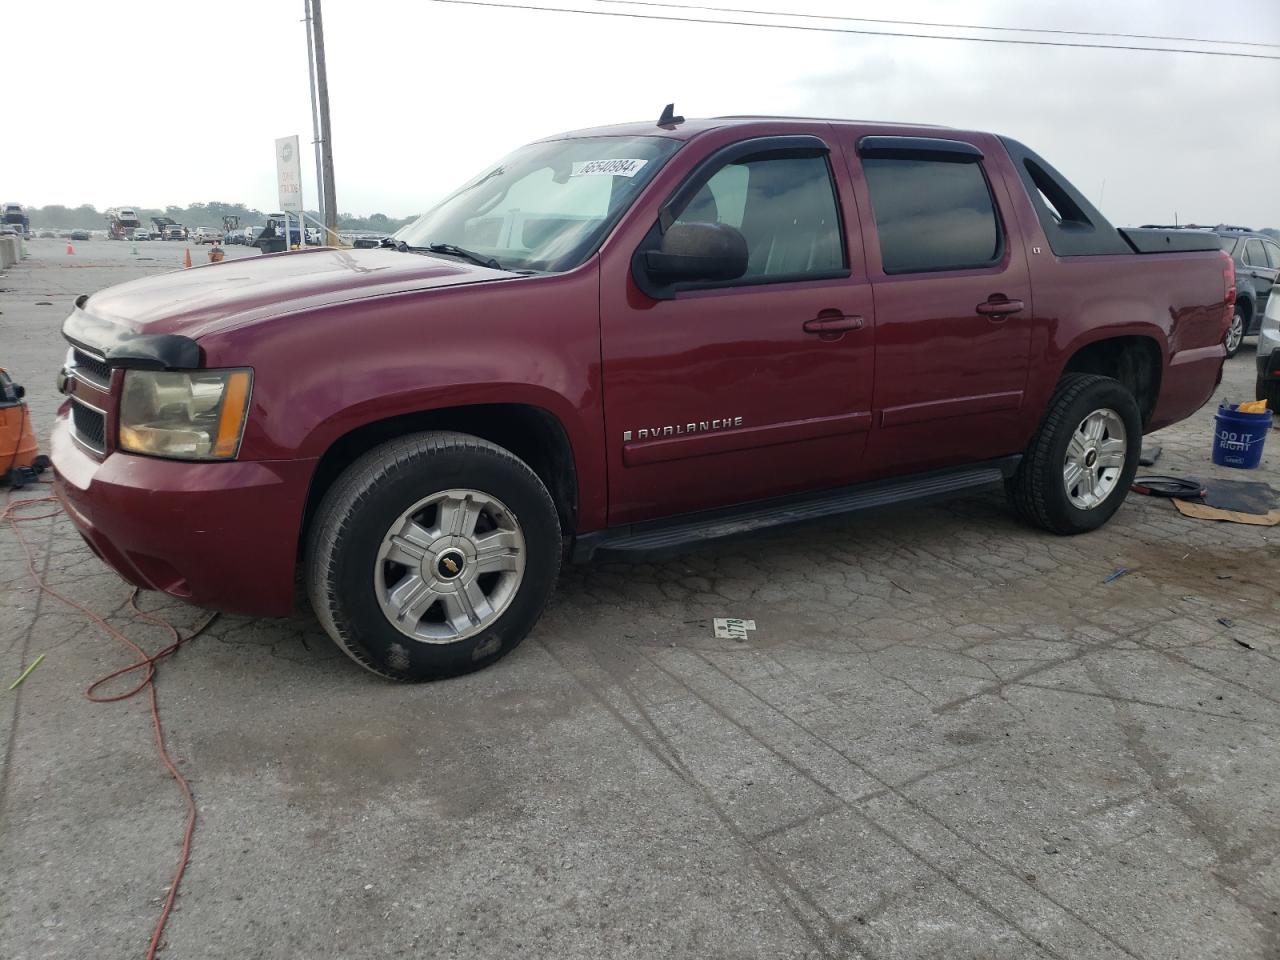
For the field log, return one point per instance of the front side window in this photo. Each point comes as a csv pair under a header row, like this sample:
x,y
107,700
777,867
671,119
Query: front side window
x,y
932,215
785,208
546,207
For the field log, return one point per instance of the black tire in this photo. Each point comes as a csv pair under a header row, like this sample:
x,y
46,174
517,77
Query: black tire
x,y
1233,340
361,506
1268,390
1037,490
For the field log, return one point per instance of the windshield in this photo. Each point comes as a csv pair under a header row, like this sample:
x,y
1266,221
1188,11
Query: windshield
x,y
547,206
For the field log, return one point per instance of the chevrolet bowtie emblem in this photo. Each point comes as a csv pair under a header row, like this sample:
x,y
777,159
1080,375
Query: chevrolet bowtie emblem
x,y
450,565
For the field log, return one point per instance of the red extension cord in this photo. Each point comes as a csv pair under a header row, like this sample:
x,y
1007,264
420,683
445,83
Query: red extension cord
x,y
12,516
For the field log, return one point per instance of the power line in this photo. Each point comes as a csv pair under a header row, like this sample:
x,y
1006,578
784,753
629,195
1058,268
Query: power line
x,y
925,23
849,30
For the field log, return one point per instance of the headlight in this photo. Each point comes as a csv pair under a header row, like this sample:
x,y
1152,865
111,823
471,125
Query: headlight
x,y
189,415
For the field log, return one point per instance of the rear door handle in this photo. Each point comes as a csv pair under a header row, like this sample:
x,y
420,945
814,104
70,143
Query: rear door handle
x,y
832,323
1001,307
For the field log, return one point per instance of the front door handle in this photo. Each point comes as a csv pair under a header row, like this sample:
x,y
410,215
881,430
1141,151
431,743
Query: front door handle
x,y
997,307
828,321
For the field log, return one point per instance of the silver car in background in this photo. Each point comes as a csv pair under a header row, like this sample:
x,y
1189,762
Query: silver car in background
x,y
1268,387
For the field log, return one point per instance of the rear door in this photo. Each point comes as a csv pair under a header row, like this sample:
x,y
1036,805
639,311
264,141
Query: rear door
x,y
740,390
953,301
1262,259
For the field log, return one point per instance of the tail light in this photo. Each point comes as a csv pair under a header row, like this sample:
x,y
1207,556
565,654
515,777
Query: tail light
x,y
1229,296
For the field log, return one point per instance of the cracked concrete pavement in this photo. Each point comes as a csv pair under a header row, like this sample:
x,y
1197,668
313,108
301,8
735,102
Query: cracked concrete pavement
x,y
947,738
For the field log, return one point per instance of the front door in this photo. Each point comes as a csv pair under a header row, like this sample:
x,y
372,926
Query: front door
x,y
953,303
746,389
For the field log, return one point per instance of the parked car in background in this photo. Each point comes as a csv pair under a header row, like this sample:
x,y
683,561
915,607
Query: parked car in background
x,y
141,233
1257,259
175,231
295,228
1257,264
78,235
367,241
206,235
698,329
1268,385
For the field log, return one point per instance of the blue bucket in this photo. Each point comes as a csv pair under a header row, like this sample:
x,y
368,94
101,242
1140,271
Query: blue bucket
x,y
1238,437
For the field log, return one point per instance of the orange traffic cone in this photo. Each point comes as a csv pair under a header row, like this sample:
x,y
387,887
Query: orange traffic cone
x,y
186,261
70,249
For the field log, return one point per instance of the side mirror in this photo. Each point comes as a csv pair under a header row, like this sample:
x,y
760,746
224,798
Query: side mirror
x,y
698,251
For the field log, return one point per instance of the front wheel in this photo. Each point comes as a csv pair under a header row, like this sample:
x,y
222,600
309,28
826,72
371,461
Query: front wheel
x,y
1080,464
433,555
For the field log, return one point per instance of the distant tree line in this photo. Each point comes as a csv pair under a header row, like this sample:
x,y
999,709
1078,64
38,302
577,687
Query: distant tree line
x,y
88,217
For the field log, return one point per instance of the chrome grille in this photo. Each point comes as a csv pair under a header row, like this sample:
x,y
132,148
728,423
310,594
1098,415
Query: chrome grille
x,y
91,368
90,425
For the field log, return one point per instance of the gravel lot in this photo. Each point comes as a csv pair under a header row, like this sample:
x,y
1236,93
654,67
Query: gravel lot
x,y
947,738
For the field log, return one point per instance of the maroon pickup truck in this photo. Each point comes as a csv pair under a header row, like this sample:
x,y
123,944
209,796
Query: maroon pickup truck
x,y
626,341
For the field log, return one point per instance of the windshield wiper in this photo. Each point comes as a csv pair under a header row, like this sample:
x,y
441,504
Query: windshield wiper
x,y
450,249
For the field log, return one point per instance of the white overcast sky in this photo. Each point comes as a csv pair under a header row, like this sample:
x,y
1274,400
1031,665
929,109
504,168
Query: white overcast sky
x,y
153,102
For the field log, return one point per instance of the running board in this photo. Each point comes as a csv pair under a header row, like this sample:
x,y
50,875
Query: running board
x,y
663,538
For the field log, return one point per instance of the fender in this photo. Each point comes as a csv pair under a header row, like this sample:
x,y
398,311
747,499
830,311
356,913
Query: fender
x,y
1062,355
325,372
1059,353
1249,295
444,397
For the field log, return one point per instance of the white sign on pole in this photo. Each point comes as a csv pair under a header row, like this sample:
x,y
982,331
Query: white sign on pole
x,y
289,174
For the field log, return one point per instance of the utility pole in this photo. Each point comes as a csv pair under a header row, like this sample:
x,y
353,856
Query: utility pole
x,y
330,205
315,110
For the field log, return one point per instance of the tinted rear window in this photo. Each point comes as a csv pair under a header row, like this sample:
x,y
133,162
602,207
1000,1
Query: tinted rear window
x,y
932,215
1273,254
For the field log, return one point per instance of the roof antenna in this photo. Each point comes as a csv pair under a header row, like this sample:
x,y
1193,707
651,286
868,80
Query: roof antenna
x,y
669,118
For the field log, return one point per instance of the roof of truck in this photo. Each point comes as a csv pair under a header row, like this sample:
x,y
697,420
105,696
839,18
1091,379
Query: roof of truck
x,y
687,129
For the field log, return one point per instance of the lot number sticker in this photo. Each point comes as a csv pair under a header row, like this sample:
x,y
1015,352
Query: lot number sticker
x,y
608,168
731,628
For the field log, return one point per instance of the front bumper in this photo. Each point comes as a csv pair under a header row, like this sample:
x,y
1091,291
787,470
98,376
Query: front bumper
x,y
222,535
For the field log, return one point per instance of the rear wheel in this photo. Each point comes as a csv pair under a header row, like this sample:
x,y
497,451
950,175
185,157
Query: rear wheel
x,y
1235,332
1078,468
433,555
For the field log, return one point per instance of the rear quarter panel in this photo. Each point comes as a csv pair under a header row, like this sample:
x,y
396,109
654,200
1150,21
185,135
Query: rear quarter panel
x,y
1176,299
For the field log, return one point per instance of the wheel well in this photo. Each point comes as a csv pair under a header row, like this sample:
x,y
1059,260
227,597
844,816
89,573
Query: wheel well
x,y
531,433
1245,306
1134,361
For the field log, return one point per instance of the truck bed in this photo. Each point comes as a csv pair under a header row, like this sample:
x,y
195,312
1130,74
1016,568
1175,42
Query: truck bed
x,y
1147,240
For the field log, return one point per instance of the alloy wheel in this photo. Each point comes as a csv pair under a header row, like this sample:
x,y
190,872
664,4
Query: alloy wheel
x,y
449,566
1095,459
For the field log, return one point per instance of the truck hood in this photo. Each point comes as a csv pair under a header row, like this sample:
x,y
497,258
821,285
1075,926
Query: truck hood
x,y
217,296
